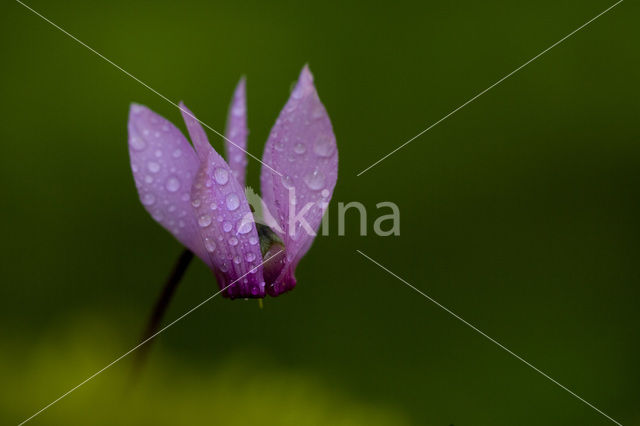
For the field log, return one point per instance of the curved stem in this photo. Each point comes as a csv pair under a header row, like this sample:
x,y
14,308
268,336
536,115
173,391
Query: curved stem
x,y
161,305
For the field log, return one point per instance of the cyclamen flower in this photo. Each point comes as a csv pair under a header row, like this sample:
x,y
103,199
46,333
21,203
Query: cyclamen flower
x,y
200,198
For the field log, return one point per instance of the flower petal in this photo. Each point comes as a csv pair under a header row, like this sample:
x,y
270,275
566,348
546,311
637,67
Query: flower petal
x,y
225,220
164,166
302,147
237,132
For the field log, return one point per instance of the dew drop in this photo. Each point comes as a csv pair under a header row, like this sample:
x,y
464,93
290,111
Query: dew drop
x,y
232,201
209,244
173,184
221,176
279,146
325,193
213,206
137,143
250,257
177,153
148,199
299,148
314,180
237,260
324,146
226,227
238,110
287,182
233,241
196,203
204,220
148,179
134,167
153,167
317,112
244,227
158,153
253,240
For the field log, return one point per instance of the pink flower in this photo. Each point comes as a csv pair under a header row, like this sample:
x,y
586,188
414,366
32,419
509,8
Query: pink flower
x,y
200,198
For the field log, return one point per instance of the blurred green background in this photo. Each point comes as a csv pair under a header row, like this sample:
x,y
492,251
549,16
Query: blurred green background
x,y
519,213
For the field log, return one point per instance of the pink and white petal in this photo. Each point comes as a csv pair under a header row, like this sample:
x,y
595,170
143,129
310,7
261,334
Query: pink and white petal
x,y
302,147
236,134
226,224
164,166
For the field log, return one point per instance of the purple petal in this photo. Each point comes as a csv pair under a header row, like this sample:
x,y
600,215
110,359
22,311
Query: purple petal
x,y
164,166
225,220
197,133
302,147
237,132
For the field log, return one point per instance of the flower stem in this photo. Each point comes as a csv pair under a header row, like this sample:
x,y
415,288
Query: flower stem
x,y
161,305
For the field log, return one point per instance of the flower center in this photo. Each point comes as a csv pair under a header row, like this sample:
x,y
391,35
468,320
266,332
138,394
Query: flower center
x,y
272,248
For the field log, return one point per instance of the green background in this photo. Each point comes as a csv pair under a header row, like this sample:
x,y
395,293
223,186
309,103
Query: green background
x,y
519,213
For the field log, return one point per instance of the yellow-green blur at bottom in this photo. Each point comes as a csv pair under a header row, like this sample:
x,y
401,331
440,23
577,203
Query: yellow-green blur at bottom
x,y
238,391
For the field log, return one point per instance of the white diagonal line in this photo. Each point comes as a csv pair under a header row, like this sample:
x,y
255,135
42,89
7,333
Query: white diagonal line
x,y
491,87
144,341
145,85
501,346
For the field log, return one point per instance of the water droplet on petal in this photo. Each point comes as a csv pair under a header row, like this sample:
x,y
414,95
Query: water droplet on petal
x,y
245,227
148,199
314,180
204,220
137,143
195,202
299,148
209,244
226,227
148,179
253,240
324,146
317,112
158,152
233,241
279,146
325,193
232,202
221,176
287,182
177,153
213,206
173,184
237,260
250,257
238,110
153,167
